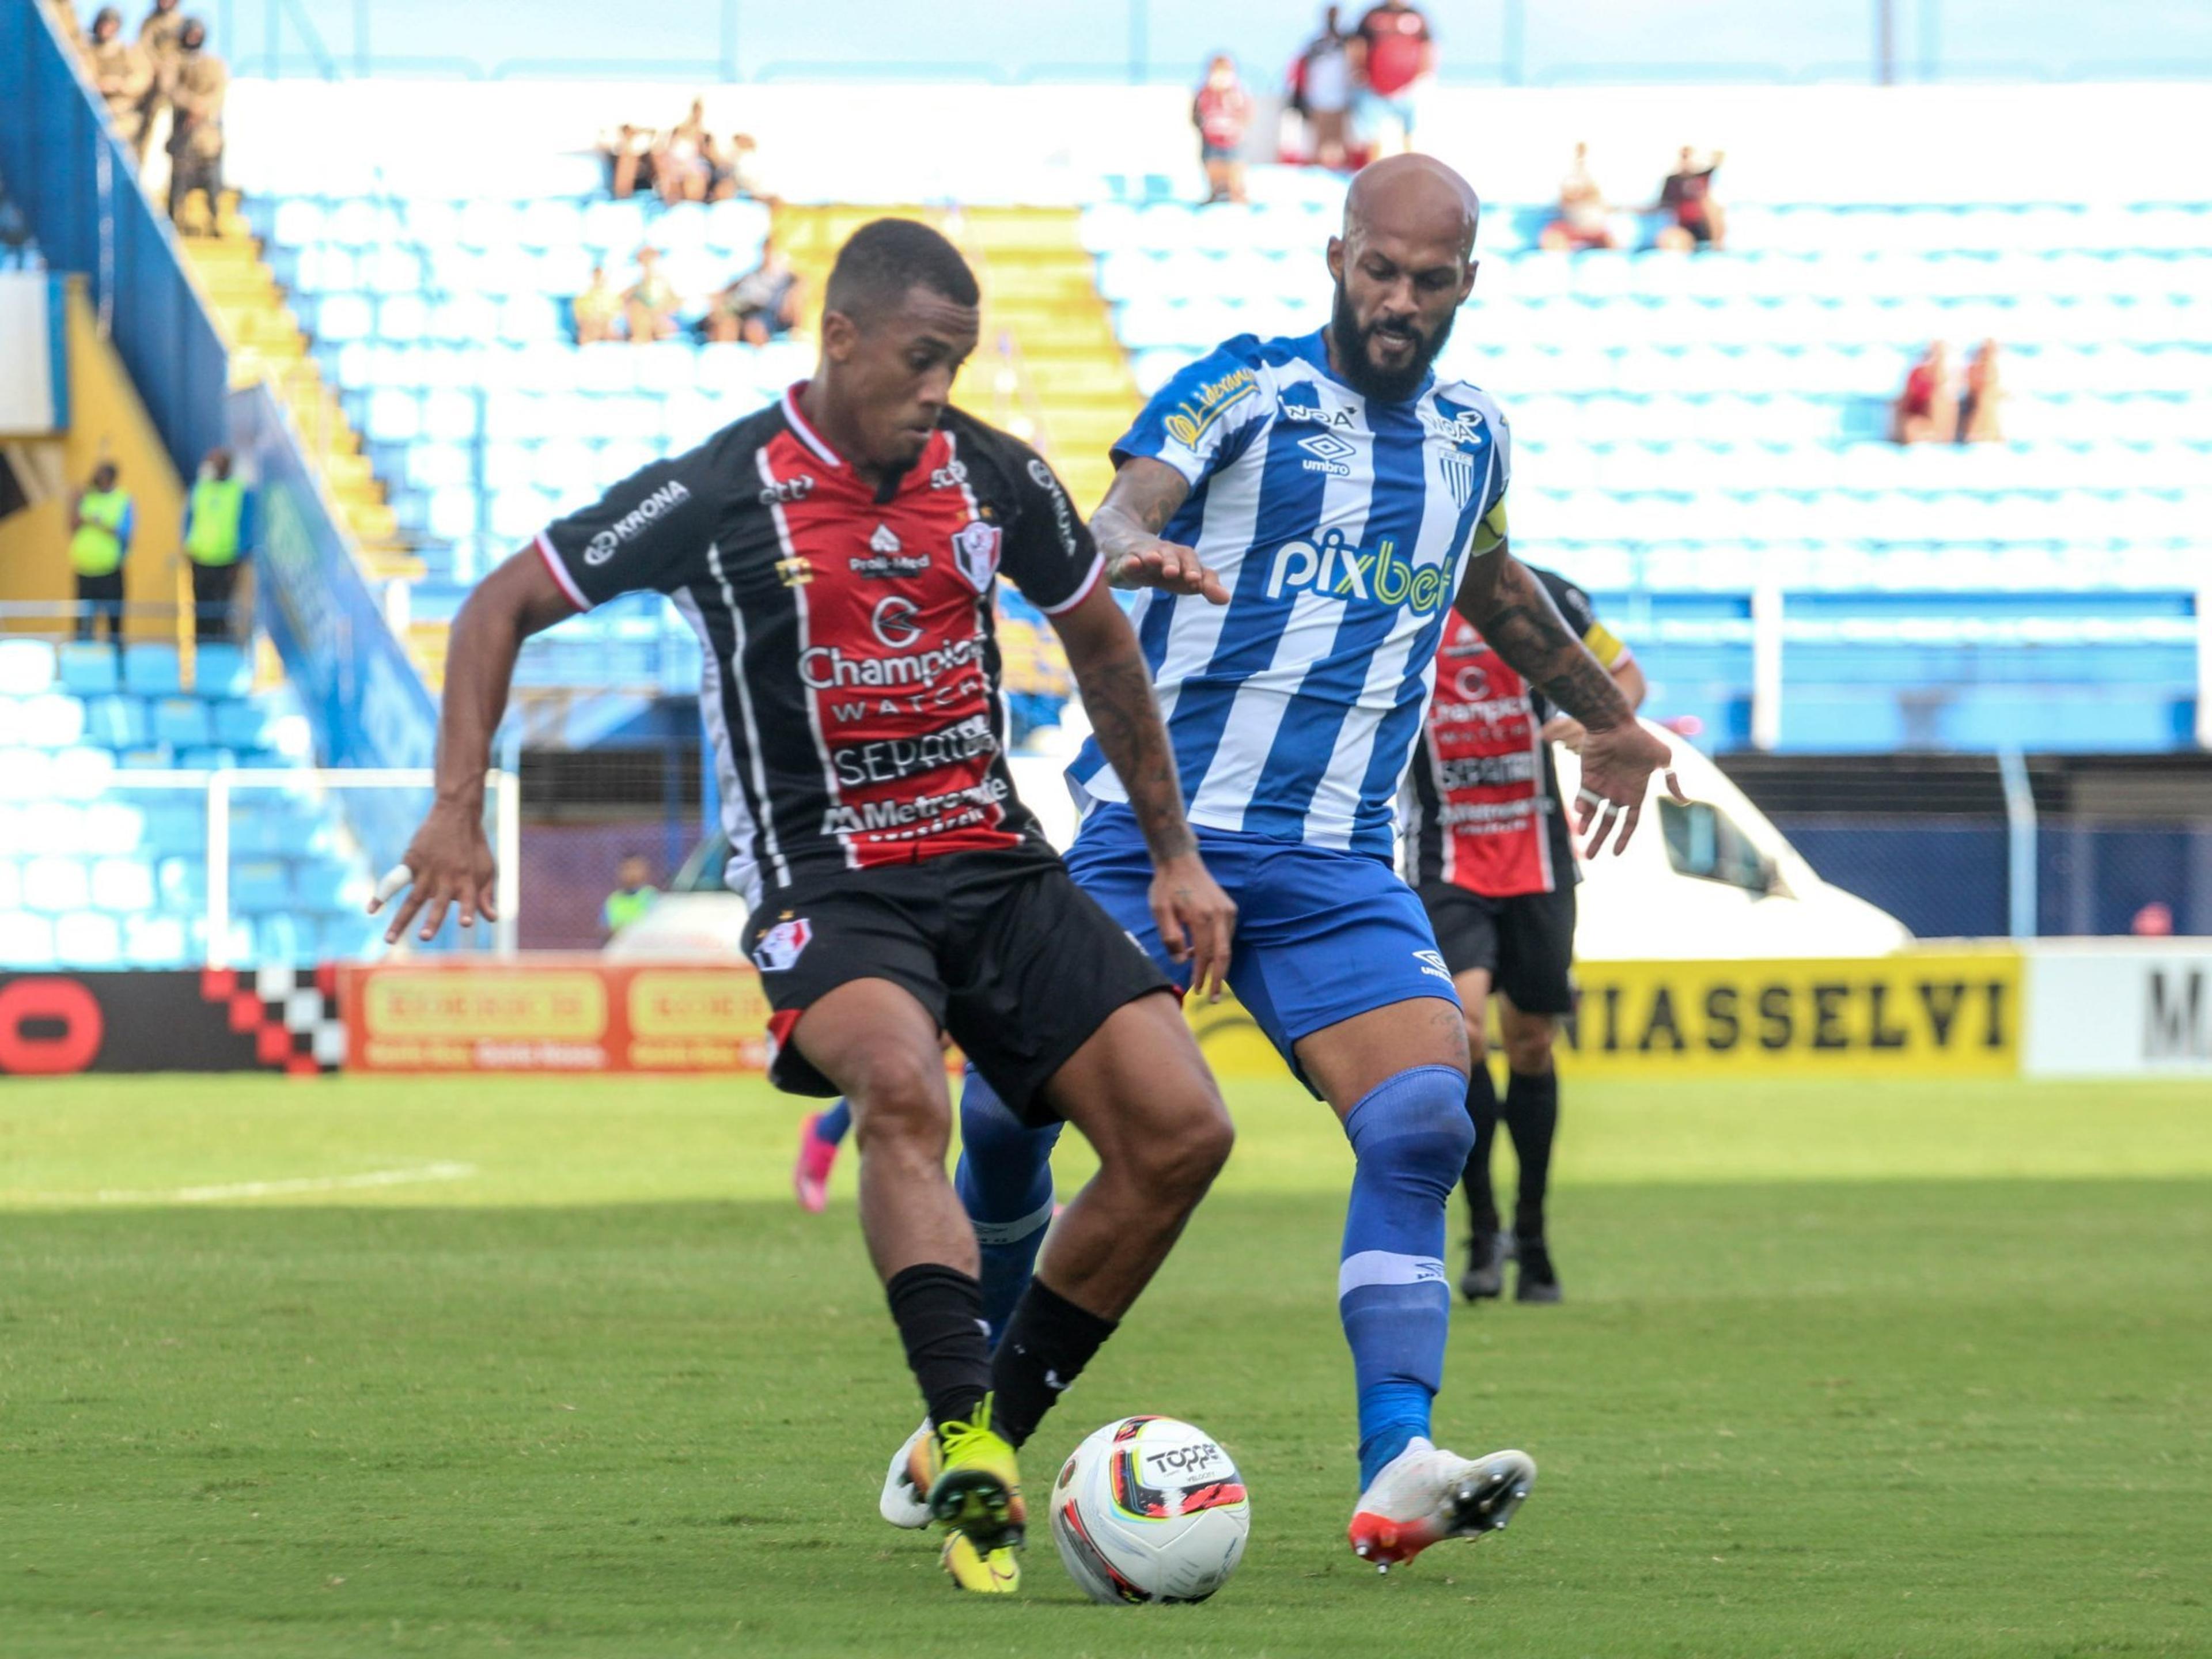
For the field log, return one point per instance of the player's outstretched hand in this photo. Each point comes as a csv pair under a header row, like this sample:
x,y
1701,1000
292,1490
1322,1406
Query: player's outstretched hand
x,y
1618,763
448,862
1196,921
1166,565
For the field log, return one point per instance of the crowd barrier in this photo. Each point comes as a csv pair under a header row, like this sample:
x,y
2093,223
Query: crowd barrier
x,y
2060,1009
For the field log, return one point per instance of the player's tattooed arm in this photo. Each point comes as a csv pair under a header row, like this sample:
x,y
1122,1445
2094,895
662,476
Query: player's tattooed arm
x,y
1195,916
1146,495
1513,612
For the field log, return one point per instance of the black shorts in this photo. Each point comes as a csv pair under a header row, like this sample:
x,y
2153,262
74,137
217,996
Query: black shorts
x,y
1009,956
1526,943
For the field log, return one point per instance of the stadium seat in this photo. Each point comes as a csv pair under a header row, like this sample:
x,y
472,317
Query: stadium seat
x,y
181,722
25,940
221,670
54,883
88,670
152,671
26,667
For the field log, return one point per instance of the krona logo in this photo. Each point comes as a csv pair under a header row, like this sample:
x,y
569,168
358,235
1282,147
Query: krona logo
x,y
602,546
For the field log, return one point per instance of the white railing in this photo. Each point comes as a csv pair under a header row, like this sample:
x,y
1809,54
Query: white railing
x,y
502,790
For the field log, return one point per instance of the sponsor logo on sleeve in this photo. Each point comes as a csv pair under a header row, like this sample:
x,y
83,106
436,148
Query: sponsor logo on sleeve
x,y
780,947
664,500
1188,422
1063,517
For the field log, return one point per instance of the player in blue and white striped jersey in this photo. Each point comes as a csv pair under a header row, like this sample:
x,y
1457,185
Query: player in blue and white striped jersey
x,y
1301,513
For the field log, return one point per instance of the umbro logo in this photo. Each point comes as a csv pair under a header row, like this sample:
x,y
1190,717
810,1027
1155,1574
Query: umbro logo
x,y
884,541
1326,453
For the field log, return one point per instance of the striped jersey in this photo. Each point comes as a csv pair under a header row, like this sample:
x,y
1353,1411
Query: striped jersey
x,y
1482,805
850,657
1340,527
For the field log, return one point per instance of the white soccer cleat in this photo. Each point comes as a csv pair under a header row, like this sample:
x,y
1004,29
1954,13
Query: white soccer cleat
x,y
904,1503
1424,1496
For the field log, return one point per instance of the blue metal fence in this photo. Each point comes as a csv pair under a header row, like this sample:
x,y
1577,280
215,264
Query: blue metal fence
x,y
78,188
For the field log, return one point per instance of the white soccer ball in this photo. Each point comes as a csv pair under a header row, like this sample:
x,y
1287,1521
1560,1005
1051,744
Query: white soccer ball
x,y
1149,1509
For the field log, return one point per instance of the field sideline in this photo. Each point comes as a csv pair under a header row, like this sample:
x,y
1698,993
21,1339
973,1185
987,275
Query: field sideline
x,y
551,1366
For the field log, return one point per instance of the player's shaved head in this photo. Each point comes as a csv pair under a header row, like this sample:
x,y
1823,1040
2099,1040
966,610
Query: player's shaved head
x,y
1414,196
1403,265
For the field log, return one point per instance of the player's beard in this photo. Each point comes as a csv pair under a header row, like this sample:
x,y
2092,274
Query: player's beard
x,y
1384,385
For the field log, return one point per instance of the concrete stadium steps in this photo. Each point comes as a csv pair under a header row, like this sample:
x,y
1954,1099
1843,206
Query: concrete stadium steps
x,y
256,321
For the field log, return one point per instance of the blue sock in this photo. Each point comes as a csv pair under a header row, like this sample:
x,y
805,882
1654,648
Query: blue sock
x,y
1004,1181
1411,1135
834,1123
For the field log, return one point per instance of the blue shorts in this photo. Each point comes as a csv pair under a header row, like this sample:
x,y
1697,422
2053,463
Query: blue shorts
x,y
1322,935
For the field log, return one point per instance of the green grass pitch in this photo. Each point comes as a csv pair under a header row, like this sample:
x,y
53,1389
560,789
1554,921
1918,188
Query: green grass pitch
x,y
549,1366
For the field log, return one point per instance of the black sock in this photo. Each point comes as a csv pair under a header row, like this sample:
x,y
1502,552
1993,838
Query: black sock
x,y
1482,1107
1532,1113
939,1311
1048,1342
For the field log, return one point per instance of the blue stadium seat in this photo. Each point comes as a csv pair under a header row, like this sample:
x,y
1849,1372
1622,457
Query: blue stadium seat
x,y
152,671
118,722
182,723
50,720
259,885
88,670
221,670
182,883
11,885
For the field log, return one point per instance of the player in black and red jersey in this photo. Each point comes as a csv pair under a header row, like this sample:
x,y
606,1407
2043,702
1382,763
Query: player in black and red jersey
x,y
1488,848
837,554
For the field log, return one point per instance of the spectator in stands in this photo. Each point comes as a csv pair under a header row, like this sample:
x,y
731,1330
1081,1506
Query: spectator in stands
x,y
649,304
1695,219
2154,921
1926,410
1582,222
122,74
761,305
598,310
158,39
633,896
738,173
215,538
1320,92
681,169
1222,112
203,81
629,156
1978,404
64,16
1396,57
101,519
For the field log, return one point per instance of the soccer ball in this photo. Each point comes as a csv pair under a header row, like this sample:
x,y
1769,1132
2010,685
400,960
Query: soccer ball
x,y
1149,1509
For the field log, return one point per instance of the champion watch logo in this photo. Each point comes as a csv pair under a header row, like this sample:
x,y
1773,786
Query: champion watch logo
x,y
1326,453
884,541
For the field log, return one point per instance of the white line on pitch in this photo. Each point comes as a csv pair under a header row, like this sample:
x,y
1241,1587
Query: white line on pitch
x,y
408,1177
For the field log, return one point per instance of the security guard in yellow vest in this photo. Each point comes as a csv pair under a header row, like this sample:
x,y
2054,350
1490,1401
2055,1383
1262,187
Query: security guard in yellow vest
x,y
215,540
633,896
101,523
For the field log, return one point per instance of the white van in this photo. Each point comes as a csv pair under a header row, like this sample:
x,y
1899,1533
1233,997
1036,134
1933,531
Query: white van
x,y
1711,879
